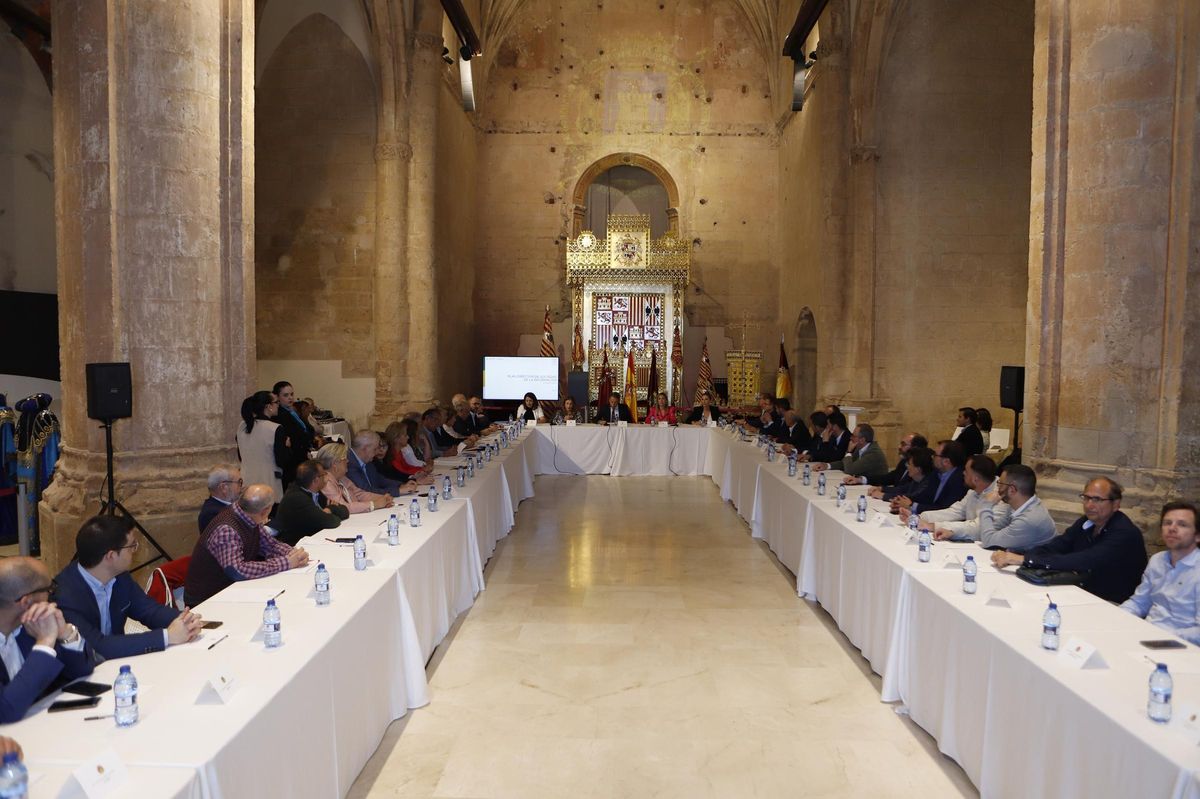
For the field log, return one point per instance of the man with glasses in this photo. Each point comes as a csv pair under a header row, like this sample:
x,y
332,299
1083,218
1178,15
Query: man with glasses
x,y
865,458
1017,520
224,486
97,594
38,647
1103,542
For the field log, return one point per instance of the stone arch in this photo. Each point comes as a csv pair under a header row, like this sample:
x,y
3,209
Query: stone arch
x,y
804,360
579,197
278,18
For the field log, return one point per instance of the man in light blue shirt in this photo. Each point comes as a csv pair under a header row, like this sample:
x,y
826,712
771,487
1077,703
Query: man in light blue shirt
x,y
1170,589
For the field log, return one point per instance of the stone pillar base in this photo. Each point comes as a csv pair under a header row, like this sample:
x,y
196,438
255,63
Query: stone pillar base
x,y
162,490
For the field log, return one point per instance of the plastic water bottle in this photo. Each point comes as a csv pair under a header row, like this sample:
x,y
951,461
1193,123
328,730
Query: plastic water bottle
x,y
862,508
821,484
770,452
806,478
791,465
924,545
969,572
272,629
360,553
393,530
461,477
414,513
913,523
446,489
14,777
1051,620
125,706
433,498
1158,708
321,584
841,494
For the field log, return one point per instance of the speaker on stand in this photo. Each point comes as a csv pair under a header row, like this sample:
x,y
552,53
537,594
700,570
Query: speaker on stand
x,y
1012,396
110,397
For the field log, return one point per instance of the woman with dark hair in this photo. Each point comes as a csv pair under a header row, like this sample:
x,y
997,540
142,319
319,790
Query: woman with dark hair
x,y
983,420
570,412
530,410
263,445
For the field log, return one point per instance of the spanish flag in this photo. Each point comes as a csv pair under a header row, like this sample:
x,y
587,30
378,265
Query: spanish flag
x,y
631,388
783,379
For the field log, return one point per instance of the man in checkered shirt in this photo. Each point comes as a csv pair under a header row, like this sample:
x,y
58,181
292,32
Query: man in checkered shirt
x,y
236,546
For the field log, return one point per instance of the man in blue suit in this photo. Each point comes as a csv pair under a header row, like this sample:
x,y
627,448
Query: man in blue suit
x,y
360,466
97,595
39,649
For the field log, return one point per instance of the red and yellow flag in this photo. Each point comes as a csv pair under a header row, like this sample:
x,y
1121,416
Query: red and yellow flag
x,y
783,379
631,388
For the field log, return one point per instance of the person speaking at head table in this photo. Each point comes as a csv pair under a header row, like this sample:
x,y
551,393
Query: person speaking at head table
x,y
662,410
705,412
97,594
615,411
531,409
38,647
236,546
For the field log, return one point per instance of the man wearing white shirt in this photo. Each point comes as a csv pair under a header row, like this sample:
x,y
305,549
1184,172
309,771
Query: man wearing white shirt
x,y
1169,593
960,521
1019,522
37,645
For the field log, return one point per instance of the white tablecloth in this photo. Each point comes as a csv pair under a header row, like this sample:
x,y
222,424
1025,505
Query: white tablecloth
x,y
634,450
782,513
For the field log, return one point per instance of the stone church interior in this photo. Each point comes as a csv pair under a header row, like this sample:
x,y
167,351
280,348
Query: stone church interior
x,y
616,398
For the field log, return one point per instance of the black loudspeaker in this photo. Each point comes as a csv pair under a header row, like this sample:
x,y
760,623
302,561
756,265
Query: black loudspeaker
x,y
1012,388
109,391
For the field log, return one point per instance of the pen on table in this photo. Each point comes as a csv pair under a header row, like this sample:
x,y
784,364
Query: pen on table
x,y
97,718
279,594
219,640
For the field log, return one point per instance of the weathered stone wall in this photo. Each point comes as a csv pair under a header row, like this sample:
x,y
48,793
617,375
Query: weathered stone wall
x,y
953,175
1115,252
315,209
677,81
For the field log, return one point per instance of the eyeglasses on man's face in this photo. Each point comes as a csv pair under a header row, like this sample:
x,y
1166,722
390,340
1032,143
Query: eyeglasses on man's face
x,y
1094,499
50,590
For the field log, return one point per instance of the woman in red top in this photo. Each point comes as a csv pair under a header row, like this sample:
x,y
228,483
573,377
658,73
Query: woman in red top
x,y
662,411
398,453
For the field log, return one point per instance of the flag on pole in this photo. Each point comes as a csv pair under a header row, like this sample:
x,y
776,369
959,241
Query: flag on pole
x,y
783,379
631,388
704,381
652,381
548,350
606,382
677,350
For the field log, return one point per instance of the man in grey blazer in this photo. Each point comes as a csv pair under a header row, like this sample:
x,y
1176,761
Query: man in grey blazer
x,y
865,458
1019,521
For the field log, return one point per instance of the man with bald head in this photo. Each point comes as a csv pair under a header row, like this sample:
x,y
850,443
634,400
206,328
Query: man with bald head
x,y
38,648
1103,542
236,546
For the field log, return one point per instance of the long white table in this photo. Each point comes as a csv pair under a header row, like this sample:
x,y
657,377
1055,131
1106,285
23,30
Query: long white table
x,y
303,718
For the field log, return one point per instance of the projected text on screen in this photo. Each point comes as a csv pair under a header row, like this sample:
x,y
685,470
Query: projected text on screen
x,y
510,378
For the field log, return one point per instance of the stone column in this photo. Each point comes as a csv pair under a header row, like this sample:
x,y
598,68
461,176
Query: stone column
x,y
1112,349
422,298
153,120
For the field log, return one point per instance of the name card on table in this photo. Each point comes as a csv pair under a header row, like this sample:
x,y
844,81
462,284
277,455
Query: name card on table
x,y
218,689
570,423
711,423
622,423
102,775
884,519
664,424
997,599
531,423
1079,654
952,561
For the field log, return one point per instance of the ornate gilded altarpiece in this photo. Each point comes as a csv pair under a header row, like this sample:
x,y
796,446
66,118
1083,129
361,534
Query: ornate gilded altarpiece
x,y
627,293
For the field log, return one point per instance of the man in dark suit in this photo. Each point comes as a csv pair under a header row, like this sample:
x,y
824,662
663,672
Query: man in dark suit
x,y
480,424
864,458
39,649
360,465
794,436
777,426
97,595
301,435
766,412
897,475
922,483
305,509
615,412
834,447
224,486
970,438
698,414
951,485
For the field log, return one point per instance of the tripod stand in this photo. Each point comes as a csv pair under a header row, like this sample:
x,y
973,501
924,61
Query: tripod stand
x,y
111,506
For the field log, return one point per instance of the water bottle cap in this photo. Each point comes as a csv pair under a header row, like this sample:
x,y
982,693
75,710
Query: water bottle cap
x,y
124,669
393,515
11,757
971,558
358,537
1162,667
321,567
270,603
1053,606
